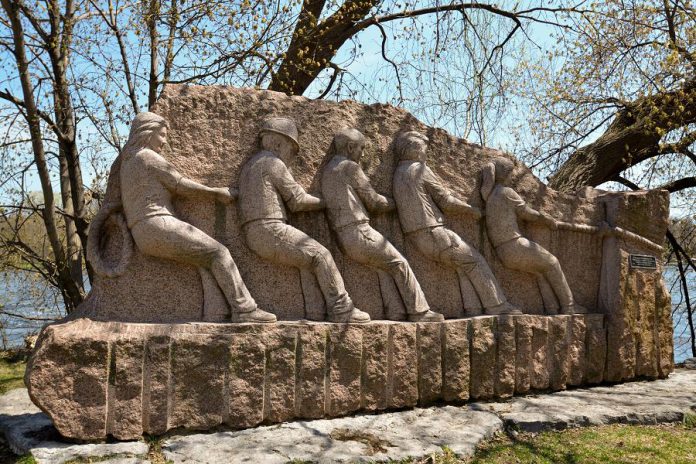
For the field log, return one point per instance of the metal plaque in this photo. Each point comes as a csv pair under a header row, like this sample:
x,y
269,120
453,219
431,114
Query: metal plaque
x,y
642,262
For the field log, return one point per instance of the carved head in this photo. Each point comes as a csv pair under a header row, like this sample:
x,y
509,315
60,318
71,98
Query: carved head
x,y
411,145
279,135
503,169
148,130
349,142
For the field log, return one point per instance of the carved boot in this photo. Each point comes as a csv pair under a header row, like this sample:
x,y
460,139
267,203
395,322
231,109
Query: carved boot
x,y
574,308
502,310
354,316
426,316
257,315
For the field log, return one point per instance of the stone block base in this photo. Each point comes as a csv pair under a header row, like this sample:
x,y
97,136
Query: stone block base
x,y
99,379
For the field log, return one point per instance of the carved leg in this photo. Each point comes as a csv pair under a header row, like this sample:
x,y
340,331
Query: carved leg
x,y
170,238
472,304
558,282
445,246
283,244
215,307
230,281
470,263
329,279
398,283
410,291
548,296
394,308
315,309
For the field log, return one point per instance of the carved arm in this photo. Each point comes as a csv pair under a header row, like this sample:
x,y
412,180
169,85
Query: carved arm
x,y
526,213
190,188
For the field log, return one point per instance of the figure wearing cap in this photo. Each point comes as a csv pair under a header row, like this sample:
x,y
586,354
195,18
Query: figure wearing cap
x,y
420,200
266,188
143,185
349,196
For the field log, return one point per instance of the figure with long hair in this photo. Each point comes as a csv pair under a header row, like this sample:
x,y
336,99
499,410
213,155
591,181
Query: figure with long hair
x,y
503,209
421,199
145,185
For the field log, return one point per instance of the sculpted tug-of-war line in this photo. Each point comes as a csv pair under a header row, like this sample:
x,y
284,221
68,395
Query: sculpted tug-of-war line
x,y
267,189
247,272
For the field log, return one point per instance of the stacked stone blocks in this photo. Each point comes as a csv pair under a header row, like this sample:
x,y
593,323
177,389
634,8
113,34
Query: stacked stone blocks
x,y
126,379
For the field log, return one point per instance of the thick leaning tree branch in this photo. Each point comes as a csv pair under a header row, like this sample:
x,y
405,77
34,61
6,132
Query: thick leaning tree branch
x,y
315,43
633,136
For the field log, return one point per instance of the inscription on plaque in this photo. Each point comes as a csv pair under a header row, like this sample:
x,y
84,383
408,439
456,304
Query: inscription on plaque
x,y
642,262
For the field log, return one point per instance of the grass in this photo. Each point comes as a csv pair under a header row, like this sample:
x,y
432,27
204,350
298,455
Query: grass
x,y
12,367
155,454
8,457
613,444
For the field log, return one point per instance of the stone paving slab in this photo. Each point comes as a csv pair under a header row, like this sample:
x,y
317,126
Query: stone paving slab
x,y
648,402
420,432
396,435
27,430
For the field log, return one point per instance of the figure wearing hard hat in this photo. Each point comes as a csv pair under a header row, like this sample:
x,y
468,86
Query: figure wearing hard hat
x,y
266,188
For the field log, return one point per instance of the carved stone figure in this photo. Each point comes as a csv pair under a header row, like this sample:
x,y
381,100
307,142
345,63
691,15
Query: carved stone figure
x,y
265,187
420,199
503,208
148,184
349,195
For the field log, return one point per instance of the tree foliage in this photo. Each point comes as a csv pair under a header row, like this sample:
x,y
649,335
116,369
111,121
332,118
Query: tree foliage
x,y
618,90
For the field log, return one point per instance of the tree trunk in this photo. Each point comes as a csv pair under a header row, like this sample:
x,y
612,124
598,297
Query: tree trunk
x,y
151,21
71,172
74,246
633,136
71,293
314,44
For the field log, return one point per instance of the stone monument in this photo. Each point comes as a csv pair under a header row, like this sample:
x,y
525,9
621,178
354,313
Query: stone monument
x,y
172,334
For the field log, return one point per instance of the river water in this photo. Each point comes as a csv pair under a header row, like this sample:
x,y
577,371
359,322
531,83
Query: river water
x,y
27,296
682,339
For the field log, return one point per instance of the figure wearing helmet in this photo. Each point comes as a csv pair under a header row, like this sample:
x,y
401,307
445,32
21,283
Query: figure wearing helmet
x,y
266,189
148,183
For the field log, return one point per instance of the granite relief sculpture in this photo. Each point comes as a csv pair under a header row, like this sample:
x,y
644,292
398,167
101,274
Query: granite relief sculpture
x,y
147,183
170,337
349,196
420,198
504,207
265,187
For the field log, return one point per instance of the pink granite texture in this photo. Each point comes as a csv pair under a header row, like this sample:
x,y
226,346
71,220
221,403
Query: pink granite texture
x,y
213,130
100,379
136,356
